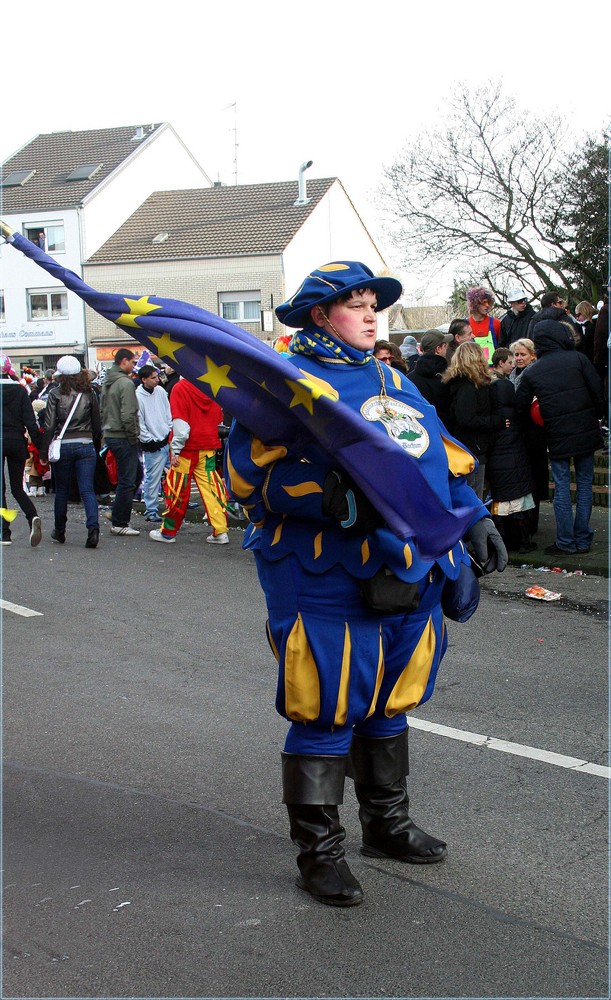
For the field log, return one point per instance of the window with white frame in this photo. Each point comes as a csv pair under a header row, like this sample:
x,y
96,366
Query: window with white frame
x,y
2,312
240,307
47,303
48,236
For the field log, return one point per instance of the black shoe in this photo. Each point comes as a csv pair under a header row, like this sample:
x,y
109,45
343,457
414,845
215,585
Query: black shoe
x,y
553,550
93,538
527,547
58,536
583,551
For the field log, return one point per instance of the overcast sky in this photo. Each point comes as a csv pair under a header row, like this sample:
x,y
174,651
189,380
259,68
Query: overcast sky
x,y
345,84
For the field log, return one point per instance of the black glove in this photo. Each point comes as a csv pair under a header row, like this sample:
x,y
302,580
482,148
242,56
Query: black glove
x,y
488,546
345,501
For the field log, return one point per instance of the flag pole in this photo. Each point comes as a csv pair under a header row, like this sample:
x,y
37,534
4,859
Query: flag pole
x,y
5,229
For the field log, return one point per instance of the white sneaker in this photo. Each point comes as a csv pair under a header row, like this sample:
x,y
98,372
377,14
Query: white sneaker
x,y
41,491
221,539
158,536
35,531
114,530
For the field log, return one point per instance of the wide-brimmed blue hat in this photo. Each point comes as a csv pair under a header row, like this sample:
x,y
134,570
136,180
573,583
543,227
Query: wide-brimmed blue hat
x,y
331,280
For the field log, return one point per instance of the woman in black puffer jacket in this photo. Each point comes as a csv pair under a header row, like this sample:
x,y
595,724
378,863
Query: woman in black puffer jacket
x,y
472,421
509,473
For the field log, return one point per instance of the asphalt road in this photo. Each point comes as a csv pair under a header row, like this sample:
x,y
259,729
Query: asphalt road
x,y
145,849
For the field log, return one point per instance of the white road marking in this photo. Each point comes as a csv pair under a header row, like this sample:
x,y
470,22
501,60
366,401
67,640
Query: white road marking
x,y
17,609
518,749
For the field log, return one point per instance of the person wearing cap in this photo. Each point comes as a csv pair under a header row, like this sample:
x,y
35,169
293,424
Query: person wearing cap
x,y
352,657
17,418
409,351
121,426
516,321
486,328
429,368
79,447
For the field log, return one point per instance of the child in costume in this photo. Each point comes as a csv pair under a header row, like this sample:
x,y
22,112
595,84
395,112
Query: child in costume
x,y
355,613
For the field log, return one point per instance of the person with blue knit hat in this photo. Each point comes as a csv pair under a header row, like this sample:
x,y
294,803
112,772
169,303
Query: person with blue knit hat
x,y
355,613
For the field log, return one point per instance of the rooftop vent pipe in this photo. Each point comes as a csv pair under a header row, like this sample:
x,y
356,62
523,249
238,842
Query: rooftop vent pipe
x,y
302,198
138,134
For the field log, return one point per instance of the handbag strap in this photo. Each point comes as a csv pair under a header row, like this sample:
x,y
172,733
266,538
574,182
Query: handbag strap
x,y
69,417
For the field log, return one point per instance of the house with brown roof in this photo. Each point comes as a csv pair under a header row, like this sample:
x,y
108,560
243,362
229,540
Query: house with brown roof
x,y
69,192
236,251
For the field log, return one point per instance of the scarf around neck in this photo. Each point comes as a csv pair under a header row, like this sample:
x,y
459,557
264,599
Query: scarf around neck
x,y
314,342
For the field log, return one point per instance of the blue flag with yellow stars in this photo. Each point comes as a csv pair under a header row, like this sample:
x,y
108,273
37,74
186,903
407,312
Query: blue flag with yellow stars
x,y
276,402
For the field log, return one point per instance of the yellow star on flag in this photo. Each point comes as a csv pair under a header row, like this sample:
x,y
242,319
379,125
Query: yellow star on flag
x,y
305,392
216,377
166,347
137,307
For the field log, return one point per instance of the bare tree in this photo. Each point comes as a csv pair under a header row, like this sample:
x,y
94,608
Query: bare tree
x,y
478,190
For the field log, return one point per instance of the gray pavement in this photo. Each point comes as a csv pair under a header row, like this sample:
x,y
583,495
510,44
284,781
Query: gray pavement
x,y
594,563
145,849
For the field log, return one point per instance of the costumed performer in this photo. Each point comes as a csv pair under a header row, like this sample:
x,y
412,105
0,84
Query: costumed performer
x,y
355,613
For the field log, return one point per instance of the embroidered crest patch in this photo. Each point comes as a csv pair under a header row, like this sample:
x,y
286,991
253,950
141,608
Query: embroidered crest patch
x,y
401,422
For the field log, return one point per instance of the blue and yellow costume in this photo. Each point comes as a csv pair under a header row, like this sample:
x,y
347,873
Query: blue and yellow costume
x,y
347,675
340,664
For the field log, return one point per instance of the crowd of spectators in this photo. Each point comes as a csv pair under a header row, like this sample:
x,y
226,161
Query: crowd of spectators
x,y
525,392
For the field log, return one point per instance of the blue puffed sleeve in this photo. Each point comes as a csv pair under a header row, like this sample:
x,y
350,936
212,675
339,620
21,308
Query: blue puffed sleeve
x,y
268,479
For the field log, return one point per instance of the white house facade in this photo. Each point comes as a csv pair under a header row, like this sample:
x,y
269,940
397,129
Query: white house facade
x,y
237,251
69,192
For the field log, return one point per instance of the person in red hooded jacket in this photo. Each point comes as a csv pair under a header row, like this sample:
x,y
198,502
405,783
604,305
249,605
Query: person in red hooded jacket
x,y
195,440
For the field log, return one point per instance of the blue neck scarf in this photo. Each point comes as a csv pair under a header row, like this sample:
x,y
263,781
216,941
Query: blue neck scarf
x,y
313,341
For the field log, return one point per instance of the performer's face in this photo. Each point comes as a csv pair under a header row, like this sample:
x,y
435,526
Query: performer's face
x,y
353,321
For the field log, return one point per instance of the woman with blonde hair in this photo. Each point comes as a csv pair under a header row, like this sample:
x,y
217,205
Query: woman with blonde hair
x,y
524,354
584,312
534,434
471,419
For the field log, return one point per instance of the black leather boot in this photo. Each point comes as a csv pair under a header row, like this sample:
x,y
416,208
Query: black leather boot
x,y
378,767
312,789
93,537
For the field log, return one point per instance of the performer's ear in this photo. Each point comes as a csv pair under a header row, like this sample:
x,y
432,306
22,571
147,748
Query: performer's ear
x,y
318,315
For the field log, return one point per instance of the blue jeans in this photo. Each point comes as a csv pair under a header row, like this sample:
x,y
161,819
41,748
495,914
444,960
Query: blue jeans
x,y
154,464
81,459
129,471
573,533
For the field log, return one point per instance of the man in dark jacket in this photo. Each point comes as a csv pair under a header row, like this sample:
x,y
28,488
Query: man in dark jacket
x,y
428,370
515,322
570,398
17,417
121,426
